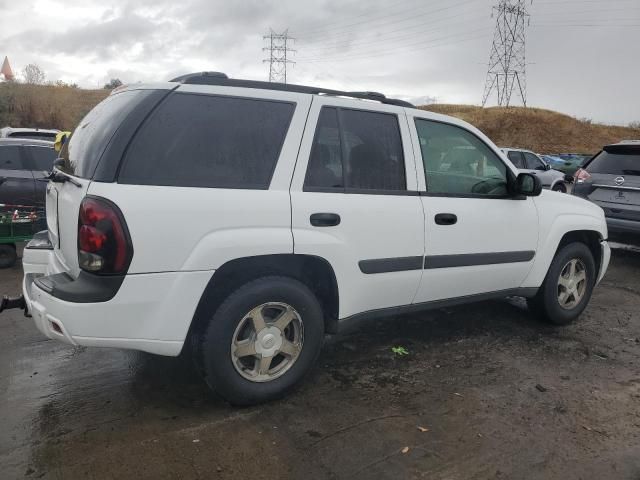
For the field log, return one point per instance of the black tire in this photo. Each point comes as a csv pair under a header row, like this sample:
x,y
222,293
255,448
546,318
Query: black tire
x,y
8,256
215,349
545,305
560,187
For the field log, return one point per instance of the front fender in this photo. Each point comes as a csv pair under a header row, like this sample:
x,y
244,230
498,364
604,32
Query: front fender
x,y
550,237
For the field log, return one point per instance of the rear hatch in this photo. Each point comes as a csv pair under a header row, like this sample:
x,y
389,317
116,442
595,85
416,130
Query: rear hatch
x,y
81,155
615,181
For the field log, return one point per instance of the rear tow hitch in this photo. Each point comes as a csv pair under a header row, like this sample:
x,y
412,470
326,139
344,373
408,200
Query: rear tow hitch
x,y
8,303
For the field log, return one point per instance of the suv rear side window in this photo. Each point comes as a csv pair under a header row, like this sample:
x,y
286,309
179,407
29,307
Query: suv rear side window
x,y
356,150
88,141
627,163
209,141
516,158
10,158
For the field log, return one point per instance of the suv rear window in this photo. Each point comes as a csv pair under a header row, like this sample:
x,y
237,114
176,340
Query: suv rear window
x,y
615,163
91,136
195,140
34,135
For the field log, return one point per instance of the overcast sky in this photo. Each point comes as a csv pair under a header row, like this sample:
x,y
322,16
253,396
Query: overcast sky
x,y
582,54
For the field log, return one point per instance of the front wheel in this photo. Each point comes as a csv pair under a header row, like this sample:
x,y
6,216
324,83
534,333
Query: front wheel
x,y
262,340
567,288
560,187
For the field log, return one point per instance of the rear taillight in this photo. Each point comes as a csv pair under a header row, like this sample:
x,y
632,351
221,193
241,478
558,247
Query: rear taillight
x,y
582,175
104,245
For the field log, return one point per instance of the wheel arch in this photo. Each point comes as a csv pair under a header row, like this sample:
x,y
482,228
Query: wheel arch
x,y
587,232
315,272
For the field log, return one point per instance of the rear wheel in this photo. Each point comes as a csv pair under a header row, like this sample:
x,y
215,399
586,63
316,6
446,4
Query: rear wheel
x,y
560,187
8,255
262,340
567,288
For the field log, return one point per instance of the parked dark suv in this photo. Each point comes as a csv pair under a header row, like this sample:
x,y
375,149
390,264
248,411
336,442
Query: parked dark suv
x,y
22,161
611,180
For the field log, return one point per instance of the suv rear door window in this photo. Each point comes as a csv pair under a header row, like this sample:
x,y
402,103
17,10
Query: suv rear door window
x,y
516,159
88,141
627,163
194,140
356,150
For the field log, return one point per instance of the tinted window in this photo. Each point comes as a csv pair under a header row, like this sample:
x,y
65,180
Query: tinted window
x,y
615,163
533,162
516,159
325,163
42,158
10,158
34,135
92,135
456,162
209,141
356,150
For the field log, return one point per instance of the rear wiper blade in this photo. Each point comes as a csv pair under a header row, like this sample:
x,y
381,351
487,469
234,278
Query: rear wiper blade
x,y
60,177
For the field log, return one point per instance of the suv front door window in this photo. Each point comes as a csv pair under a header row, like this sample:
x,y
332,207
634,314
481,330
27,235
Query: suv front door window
x,y
477,237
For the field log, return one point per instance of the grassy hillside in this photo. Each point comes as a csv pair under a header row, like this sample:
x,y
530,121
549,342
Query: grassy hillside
x,y
45,106
542,131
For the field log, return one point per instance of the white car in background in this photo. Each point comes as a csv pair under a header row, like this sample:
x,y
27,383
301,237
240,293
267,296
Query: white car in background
x,y
527,161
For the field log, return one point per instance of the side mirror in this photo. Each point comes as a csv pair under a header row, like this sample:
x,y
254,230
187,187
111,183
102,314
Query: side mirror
x,y
528,185
547,166
58,163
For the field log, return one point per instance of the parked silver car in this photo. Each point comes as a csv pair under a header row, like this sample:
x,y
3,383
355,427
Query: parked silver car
x,y
527,161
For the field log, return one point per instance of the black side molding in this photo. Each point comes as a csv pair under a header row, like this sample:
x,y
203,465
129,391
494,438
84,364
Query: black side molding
x,y
471,259
385,265
87,288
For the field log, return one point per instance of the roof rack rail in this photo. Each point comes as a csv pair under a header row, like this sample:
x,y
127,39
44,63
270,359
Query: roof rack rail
x,y
220,79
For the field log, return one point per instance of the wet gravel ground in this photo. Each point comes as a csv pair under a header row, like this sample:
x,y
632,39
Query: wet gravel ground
x,y
485,392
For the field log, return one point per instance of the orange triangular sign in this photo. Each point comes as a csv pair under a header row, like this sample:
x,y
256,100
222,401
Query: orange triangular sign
x,y
6,70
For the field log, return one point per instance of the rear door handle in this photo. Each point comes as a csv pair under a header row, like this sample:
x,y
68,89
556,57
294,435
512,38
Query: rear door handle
x,y
325,219
446,219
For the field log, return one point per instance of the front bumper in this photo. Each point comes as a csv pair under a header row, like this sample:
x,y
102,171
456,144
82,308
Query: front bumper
x,y
605,258
150,312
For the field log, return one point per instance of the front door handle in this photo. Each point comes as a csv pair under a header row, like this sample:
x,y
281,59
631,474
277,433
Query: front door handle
x,y
446,219
325,219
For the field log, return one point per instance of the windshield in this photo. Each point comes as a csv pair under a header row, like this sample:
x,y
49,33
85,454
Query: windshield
x,y
82,152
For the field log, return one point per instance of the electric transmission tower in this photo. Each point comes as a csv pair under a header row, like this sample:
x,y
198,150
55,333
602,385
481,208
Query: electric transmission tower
x,y
278,48
507,66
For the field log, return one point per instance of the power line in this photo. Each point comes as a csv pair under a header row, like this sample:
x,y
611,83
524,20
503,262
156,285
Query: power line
x,y
380,22
420,46
507,66
407,33
278,48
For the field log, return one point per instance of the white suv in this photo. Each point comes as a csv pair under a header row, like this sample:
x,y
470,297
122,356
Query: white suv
x,y
250,219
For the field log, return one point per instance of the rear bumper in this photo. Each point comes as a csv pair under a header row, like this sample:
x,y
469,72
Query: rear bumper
x,y
150,312
617,225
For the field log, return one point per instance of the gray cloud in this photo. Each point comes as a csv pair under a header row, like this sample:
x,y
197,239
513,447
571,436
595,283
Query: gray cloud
x,y
416,49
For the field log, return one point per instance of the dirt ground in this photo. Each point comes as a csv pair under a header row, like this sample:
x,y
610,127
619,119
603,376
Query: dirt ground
x,y
498,395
